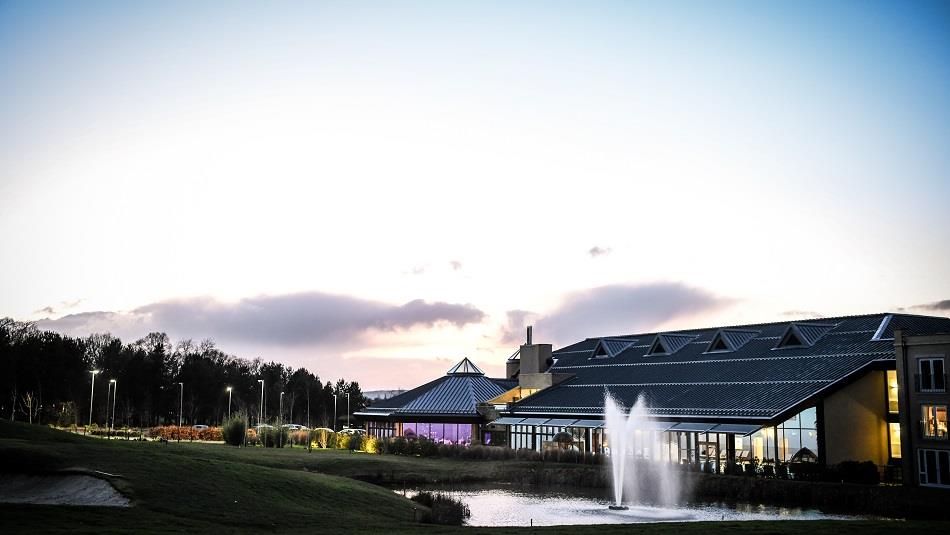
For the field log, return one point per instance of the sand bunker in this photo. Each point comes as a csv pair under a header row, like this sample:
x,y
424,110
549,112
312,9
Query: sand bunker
x,y
59,489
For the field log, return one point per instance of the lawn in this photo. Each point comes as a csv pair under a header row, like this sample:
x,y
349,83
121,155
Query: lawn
x,y
216,488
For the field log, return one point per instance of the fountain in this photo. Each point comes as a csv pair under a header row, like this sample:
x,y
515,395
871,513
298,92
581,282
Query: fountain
x,y
632,445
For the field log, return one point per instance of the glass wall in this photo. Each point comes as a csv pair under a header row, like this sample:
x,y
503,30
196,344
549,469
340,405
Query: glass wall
x,y
445,433
380,429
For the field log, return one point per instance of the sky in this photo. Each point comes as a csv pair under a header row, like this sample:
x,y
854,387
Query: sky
x,y
375,190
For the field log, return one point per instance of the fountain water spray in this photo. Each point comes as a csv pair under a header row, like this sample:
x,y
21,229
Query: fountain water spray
x,y
632,443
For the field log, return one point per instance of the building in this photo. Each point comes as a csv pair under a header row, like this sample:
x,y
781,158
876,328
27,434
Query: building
x,y
820,391
443,410
922,376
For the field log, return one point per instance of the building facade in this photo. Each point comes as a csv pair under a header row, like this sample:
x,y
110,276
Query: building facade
x,y
771,395
443,410
922,376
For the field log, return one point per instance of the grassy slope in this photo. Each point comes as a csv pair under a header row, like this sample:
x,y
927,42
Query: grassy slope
x,y
200,487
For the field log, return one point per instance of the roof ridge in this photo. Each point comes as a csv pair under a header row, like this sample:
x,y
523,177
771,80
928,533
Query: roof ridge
x,y
834,319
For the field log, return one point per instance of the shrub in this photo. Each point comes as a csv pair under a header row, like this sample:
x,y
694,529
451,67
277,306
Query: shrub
x,y
856,472
354,443
273,437
234,429
301,436
320,438
443,509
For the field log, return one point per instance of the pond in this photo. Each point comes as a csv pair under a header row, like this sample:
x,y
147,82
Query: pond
x,y
525,506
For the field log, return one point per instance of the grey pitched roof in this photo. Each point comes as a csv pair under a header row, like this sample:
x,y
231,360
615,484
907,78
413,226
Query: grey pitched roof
x,y
753,380
455,394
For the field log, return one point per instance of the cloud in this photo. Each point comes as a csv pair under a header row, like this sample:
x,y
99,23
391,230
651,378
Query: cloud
x,y
298,319
46,310
622,309
803,314
596,251
455,265
941,306
513,332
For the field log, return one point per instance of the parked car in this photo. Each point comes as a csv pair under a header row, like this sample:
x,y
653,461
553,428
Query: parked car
x,y
352,431
294,427
263,426
200,427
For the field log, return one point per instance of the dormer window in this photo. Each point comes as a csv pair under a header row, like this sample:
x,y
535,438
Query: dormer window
x,y
667,344
730,340
803,335
658,348
791,339
611,347
718,344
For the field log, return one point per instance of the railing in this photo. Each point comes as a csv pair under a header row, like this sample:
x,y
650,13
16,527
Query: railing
x,y
934,385
926,427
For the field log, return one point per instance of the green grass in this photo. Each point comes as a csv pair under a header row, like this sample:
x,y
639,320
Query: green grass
x,y
215,488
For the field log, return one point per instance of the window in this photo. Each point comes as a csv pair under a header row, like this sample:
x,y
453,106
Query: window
x,y
934,467
894,432
933,422
892,391
931,376
798,436
380,429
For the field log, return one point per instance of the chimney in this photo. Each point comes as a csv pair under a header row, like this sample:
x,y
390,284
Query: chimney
x,y
529,335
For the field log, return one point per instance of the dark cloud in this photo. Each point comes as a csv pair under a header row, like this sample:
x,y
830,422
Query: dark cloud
x,y
46,310
803,314
596,251
513,332
299,319
941,306
620,309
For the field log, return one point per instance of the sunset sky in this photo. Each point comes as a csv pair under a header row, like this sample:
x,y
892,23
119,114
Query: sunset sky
x,y
376,190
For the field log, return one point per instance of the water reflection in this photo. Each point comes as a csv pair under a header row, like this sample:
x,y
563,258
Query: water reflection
x,y
520,506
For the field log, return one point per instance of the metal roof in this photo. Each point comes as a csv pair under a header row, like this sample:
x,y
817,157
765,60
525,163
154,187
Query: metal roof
x,y
755,381
456,394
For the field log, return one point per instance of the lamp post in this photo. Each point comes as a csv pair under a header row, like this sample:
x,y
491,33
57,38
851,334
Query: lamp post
x,y
334,413
92,392
347,410
260,419
115,389
181,407
229,402
280,416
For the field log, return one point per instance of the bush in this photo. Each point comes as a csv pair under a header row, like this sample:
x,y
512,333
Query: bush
x,y
234,429
273,437
443,509
864,473
321,438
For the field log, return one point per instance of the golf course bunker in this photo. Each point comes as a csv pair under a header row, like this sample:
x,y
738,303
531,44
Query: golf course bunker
x,y
60,489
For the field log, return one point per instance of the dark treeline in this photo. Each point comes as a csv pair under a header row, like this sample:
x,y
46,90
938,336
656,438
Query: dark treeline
x,y
46,377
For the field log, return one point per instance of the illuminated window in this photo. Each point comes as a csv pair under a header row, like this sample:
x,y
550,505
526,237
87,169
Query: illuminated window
x,y
895,434
933,422
892,391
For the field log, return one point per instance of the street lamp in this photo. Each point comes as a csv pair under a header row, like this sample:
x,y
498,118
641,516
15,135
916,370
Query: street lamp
x,y
92,392
181,406
280,416
347,410
115,388
260,419
229,402
334,413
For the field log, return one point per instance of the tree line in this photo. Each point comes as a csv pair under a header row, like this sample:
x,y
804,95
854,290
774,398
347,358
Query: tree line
x,y
47,378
